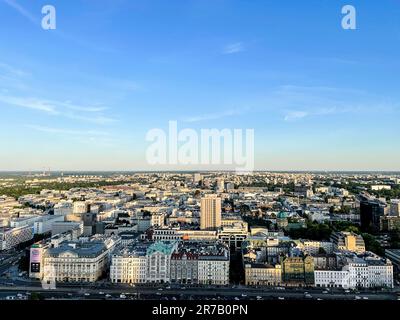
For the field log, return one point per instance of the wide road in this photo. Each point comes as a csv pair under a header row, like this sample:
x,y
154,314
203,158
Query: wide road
x,y
193,293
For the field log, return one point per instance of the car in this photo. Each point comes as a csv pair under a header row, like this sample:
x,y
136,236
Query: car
x,y
236,298
101,292
259,298
281,298
244,295
173,298
357,297
365,298
87,294
325,292
11,297
168,287
158,293
160,289
108,295
319,299
308,296
122,296
347,291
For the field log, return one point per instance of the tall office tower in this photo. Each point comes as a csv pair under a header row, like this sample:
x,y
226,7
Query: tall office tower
x,y
371,211
210,213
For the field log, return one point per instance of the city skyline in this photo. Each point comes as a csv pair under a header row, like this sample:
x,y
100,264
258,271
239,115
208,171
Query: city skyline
x,y
82,97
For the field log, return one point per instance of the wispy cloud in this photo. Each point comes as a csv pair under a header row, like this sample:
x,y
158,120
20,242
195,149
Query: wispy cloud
x,y
30,103
215,116
293,115
233,48
68,131
64,109
299,102
12,71
20,9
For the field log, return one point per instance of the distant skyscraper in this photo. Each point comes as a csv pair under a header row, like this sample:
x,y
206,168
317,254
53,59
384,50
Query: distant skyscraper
x,y
220,185
210,215
197,178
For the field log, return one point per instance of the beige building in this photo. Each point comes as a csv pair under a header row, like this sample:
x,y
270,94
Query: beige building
x,y
258,274
348,241
210,214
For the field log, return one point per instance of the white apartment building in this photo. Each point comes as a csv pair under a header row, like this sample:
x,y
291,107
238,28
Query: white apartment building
x,y
158,261
358,273
63,208
213,270
45,223
371,273
28,220
129,266
332,278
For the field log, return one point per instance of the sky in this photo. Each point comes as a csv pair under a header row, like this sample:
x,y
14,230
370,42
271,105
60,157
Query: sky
x,y
84,96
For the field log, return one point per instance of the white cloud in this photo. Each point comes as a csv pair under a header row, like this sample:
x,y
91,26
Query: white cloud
x,y
215,116
64,109
294,115
30,103
68,131
233,48
11,71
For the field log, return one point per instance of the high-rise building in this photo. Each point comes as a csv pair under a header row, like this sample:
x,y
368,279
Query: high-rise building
x,y
371,211
210,214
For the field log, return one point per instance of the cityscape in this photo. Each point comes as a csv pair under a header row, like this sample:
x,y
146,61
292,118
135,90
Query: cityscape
x,y
207,235
199,158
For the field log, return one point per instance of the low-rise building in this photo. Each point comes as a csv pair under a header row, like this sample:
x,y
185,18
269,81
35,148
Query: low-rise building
x,y
298,271
261,274
214,264
348,241
129,265
76,261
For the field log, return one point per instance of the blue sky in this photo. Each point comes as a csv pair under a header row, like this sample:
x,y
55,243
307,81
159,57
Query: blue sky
x,y
83,96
